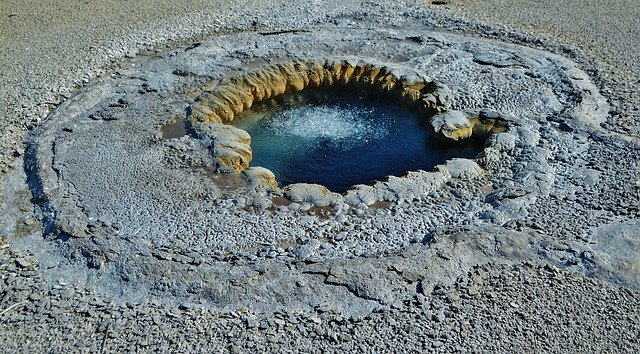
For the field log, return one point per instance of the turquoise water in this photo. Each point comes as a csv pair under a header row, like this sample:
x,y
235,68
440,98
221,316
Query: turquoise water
x,y
340,137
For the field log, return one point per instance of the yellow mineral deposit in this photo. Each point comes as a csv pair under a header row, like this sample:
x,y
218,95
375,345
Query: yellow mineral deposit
x,y
221,104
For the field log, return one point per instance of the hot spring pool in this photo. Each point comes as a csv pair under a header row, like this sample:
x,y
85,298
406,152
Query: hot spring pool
x,y
339,137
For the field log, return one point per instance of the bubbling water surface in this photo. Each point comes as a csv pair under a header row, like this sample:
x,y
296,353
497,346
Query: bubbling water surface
x,y
339,137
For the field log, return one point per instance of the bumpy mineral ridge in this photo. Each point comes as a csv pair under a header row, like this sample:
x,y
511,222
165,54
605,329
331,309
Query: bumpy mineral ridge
x,y
232,151
188,220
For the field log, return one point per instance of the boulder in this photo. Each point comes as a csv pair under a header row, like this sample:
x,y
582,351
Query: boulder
x,y
311,193
462,168
452,125
261,178
230,146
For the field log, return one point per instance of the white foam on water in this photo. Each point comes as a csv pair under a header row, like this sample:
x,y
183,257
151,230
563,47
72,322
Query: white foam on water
x,y
337,125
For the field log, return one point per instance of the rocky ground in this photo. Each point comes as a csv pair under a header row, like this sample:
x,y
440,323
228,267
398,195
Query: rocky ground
x,y
604,34
563,278
518,308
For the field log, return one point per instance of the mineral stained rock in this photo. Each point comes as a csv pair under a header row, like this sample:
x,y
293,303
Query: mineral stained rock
x,y
261,178
230,146
221,104
312,193
458,125
239,93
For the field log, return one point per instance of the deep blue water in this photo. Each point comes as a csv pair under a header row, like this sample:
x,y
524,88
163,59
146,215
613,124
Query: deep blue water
x,y
340,137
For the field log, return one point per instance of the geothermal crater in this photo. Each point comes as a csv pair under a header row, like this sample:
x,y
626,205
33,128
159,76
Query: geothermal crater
x,y
339,137
329,80
160,180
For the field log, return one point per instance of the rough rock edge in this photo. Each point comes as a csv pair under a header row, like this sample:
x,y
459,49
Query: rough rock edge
x,y
219,106
225,101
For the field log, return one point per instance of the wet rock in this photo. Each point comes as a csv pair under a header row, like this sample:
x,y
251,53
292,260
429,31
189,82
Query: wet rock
x,y
453,125
224,102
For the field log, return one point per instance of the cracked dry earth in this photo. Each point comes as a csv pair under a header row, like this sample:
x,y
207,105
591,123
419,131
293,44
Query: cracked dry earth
x,y
126,241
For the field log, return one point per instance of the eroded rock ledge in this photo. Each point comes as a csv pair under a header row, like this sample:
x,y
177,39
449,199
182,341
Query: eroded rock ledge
x,y
225,101
231,147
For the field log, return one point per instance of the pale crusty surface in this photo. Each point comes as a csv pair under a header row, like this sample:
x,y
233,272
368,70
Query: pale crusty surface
x,y
605,33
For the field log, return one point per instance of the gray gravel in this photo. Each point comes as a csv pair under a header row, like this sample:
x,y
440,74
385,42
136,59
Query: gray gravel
x,y
517,308
556,273
604,35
